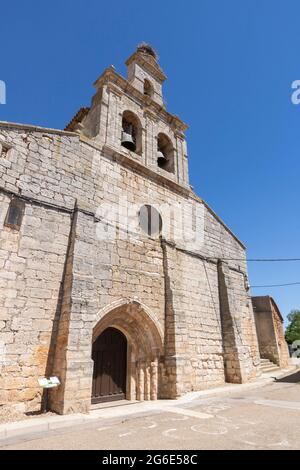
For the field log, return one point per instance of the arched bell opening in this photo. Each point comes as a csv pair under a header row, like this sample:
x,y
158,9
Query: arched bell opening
x,y
165,153
131,137
143,353
148,88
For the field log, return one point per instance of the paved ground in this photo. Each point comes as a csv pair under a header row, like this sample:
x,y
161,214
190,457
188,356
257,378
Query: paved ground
x,y
263,418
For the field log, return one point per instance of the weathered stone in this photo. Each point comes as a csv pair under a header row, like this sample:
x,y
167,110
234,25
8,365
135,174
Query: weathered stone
x,y
270,331
81,261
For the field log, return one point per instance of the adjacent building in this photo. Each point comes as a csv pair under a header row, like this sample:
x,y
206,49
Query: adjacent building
x,y
270,331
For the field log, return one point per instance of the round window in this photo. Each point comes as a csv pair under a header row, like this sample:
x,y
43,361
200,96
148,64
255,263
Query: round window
x,y
150,220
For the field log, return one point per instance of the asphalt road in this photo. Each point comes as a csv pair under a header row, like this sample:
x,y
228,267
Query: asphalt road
x,y
263,418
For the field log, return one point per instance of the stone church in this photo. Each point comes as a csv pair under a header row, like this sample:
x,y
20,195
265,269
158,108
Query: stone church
x,y
115,276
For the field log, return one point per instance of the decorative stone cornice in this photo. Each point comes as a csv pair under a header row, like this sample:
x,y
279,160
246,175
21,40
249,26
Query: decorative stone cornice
x,y
126,160
149,63
114,89
110,77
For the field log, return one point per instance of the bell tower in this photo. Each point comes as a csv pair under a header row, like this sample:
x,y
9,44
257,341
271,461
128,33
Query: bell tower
x,y
129,121
145,74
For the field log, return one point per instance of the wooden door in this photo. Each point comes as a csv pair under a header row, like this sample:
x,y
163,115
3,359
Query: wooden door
x,y
109,355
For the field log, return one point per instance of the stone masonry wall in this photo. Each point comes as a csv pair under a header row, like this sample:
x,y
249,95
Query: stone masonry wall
x,y
32,262
194,355
282,344
270,331
108,262
241,353
103,272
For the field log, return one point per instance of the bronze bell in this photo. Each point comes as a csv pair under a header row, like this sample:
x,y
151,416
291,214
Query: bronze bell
x,y
161,159
127,140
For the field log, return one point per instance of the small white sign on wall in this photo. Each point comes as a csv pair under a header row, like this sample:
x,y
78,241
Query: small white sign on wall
x,y
49,383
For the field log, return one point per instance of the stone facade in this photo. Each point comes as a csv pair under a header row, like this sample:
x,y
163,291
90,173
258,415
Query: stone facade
x,y
80,262
270,331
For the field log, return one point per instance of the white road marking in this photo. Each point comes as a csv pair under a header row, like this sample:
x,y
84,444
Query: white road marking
x,y
183,418
291,405
126,434
283,443
246,422
167,433
216,408
250,443
223,418
259,439
186,412
151,426
228,422
214,432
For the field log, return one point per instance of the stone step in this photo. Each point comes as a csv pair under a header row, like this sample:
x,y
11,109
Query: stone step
x,y
270,364
266,366
265,361
266,370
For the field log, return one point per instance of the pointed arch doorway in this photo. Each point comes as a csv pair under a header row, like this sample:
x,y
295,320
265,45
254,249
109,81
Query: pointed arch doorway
x,y
143,338
109,354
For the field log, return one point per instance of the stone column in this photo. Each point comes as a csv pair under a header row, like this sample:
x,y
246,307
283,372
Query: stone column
x,y
114,119
150,141
102,125
153,379
147,381
182,163
132,381
140,381
143,157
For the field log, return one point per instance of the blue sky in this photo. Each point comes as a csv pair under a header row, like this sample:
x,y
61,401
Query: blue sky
x,y
230,66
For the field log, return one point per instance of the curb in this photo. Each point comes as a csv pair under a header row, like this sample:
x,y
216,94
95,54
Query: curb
x,y
31,428
38,425
229,389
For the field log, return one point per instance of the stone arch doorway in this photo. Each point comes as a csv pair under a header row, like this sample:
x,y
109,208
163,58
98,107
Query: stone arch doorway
x,y
144,346
109,354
